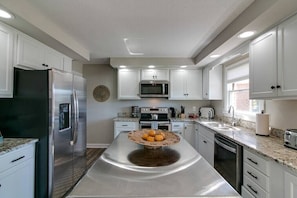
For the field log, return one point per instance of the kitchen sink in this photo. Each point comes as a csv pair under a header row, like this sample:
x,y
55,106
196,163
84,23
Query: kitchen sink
x,y
221,126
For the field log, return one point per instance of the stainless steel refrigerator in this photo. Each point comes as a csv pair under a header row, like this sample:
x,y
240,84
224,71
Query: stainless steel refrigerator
x,y
49,105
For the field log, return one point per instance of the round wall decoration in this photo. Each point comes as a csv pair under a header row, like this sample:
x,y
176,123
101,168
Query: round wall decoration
x,y
101,93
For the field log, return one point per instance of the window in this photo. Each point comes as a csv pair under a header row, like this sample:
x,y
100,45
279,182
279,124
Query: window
x,y
237,90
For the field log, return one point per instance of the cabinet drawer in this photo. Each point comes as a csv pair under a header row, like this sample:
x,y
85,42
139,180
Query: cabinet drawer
x,y
208,133
125,124
16,157
245,193
256,161
256,176
254,189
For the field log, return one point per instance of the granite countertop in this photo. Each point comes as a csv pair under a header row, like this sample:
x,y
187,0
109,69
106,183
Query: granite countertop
x,y
271,147
10,144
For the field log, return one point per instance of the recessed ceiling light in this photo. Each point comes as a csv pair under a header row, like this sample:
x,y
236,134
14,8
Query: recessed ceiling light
x,y
151,66
5,14
215,56
183,66
122,66
246,34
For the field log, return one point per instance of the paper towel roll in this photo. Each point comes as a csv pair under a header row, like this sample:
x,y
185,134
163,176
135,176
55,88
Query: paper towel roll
x,y
262,124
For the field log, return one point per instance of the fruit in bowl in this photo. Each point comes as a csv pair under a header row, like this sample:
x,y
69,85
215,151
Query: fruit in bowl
x,y
153,135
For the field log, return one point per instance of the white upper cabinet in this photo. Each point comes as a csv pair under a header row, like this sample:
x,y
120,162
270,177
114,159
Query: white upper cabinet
x,y
263,66
7,37
155,74
67,64
35,55
273,62
185,85
128,84
213,83
287,57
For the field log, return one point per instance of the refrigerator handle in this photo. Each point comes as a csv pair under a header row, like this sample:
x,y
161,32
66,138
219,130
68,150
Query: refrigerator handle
x,y
75,118
74,126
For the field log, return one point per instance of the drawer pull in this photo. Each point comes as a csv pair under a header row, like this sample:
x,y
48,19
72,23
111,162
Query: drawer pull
x,y
251,174
124,125
17,159
252,161
205,141
252,189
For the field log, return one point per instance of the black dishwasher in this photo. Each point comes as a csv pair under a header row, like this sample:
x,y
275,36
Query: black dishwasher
x,y
228,161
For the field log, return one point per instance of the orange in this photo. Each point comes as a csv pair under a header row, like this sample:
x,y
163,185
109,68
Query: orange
x,y
150,139
159,137
144,136
152,132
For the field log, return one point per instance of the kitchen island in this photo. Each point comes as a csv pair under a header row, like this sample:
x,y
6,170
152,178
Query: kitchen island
x,y
127,169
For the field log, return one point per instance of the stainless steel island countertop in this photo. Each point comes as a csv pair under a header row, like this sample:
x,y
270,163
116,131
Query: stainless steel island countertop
x,y
127,169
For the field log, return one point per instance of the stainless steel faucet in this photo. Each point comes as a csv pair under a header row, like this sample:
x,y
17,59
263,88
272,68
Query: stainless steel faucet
x,y
233,119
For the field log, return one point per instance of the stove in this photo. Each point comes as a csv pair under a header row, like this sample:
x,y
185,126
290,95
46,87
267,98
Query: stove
x,y
154,118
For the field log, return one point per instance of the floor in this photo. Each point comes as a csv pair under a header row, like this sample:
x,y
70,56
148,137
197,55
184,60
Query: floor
x,y
92,155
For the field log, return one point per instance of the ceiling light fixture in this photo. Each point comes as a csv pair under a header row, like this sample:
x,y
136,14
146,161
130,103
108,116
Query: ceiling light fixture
x,y
122,66
246,34
215,56
183,66
151,66
130,52
5,14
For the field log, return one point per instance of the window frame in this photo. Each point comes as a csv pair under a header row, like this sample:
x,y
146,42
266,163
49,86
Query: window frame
x,y
248,116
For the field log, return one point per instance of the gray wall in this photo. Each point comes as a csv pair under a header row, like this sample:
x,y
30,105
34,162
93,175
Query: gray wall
x,y
100,114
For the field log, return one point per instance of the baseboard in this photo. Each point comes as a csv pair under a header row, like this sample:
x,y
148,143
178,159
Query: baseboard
x,y
93,145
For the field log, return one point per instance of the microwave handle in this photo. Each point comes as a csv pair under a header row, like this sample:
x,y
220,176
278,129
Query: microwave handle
x,y
163,88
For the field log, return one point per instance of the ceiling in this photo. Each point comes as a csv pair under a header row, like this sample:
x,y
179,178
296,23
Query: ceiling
x,y
93,31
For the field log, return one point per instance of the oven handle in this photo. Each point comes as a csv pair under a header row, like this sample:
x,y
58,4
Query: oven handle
x,y
233,150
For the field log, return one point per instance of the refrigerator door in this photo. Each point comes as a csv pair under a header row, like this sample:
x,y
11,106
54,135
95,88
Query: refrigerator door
x,y
79,126
61,150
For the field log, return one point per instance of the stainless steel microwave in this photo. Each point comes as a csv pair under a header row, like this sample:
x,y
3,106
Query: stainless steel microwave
x,y
153,89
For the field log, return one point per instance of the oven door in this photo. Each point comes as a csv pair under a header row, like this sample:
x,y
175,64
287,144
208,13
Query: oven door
x,y
228,161
155,125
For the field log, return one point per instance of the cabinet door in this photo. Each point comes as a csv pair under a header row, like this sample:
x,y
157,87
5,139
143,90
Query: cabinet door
x,y
263,66
215,83
205,83
177,85
193,80
54,59
7,36
206,149
287,57
128,84
154,74
190,134
30,52
18,181
290,185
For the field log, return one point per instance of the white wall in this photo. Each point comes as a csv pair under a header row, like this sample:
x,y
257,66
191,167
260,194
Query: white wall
x,y
100,114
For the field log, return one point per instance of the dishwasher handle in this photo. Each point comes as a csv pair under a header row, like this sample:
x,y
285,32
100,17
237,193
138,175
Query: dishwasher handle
x,y
225,146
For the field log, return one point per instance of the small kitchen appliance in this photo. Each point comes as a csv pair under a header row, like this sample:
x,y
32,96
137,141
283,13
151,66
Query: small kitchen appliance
x,y
290,138
134,111
206,112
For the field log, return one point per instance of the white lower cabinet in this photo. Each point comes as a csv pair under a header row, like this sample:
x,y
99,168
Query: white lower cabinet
x,y
206,144
290,185
189,133
121,126
178,127
17,173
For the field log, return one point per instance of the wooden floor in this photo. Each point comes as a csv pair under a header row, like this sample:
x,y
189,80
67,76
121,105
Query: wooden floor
x,y
92,155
